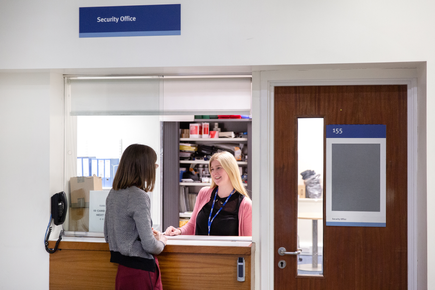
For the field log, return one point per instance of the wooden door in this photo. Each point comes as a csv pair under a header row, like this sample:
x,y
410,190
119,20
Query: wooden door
x,y
356,258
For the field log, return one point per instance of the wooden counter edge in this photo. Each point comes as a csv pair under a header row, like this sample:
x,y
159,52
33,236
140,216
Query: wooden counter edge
x,y
200,249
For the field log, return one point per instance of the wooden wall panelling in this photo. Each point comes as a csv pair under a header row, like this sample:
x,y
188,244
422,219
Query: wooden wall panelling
x,y
81,265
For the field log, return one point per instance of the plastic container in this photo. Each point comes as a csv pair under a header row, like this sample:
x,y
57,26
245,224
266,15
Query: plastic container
x,y
205,130
194,130
214,134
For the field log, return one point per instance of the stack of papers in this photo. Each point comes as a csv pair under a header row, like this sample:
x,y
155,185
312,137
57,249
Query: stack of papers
x,y
226,135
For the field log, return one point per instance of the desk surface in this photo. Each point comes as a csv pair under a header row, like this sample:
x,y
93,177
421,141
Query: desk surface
x,y
310,215
182,240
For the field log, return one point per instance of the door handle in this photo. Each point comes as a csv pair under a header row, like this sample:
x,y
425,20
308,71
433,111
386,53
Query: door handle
x,y
282,252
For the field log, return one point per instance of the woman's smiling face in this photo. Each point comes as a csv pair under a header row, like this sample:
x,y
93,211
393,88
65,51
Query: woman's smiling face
x,y
218,173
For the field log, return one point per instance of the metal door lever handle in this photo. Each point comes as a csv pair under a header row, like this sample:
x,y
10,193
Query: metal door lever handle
x,y
282,252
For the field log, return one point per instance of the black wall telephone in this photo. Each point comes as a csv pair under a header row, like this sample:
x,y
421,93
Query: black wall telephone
x,y
59,207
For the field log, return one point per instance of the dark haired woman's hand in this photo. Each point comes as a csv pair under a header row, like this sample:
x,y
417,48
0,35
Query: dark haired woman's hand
x,y
159,236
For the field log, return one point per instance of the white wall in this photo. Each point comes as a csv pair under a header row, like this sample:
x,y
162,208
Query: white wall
x,y
430,181
25,128
239,35
44,34
422,205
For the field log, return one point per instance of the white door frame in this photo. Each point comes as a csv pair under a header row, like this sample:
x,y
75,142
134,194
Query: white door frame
x,y
262,180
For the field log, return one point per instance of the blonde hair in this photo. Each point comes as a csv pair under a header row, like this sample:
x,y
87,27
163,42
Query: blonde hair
x,y
229,164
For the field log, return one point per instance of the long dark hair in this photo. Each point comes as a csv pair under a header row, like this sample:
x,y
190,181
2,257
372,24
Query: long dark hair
x,y
136,168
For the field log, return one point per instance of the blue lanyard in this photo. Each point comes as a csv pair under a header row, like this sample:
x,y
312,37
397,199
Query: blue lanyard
x,y
210,220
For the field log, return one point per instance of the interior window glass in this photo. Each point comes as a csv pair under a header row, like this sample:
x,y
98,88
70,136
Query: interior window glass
x,y
310,195
100,143
104,115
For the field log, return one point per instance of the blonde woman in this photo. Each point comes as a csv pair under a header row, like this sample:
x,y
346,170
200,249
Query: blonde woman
x,y
224,208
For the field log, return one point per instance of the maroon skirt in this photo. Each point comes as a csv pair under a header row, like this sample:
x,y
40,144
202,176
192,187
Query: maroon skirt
x,y
135,279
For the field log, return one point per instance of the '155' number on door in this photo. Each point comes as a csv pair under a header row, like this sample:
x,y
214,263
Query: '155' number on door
x,y
337,131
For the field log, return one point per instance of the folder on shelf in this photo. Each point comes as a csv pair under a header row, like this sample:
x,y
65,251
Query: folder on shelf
x,y
107,175
191,196
226,135
79,166
182,200
100,164
86,166
107,169
186,199
94,166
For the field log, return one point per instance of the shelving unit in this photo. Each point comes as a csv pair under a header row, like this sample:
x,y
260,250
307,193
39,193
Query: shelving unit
x,y
199,184
185,214
206,162
215,140
172,161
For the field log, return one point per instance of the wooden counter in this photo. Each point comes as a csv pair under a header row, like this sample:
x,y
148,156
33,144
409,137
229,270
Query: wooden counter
x,y
184,266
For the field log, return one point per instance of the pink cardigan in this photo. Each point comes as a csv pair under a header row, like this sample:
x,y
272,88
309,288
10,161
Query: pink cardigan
x,y
245,214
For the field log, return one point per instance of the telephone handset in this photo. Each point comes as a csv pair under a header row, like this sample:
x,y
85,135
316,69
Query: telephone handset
x,y
59,207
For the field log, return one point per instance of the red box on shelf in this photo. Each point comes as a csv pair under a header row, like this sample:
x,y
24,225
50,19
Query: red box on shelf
x,y
229,116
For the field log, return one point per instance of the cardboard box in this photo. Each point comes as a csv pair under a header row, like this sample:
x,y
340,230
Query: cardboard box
x,y
301,191
80,188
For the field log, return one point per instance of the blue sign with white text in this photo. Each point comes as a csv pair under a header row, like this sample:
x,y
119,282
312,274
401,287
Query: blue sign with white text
x,y
143,20
356,175
356,131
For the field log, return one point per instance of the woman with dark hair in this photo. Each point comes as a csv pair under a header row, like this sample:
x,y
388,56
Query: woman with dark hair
x,y
128,228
